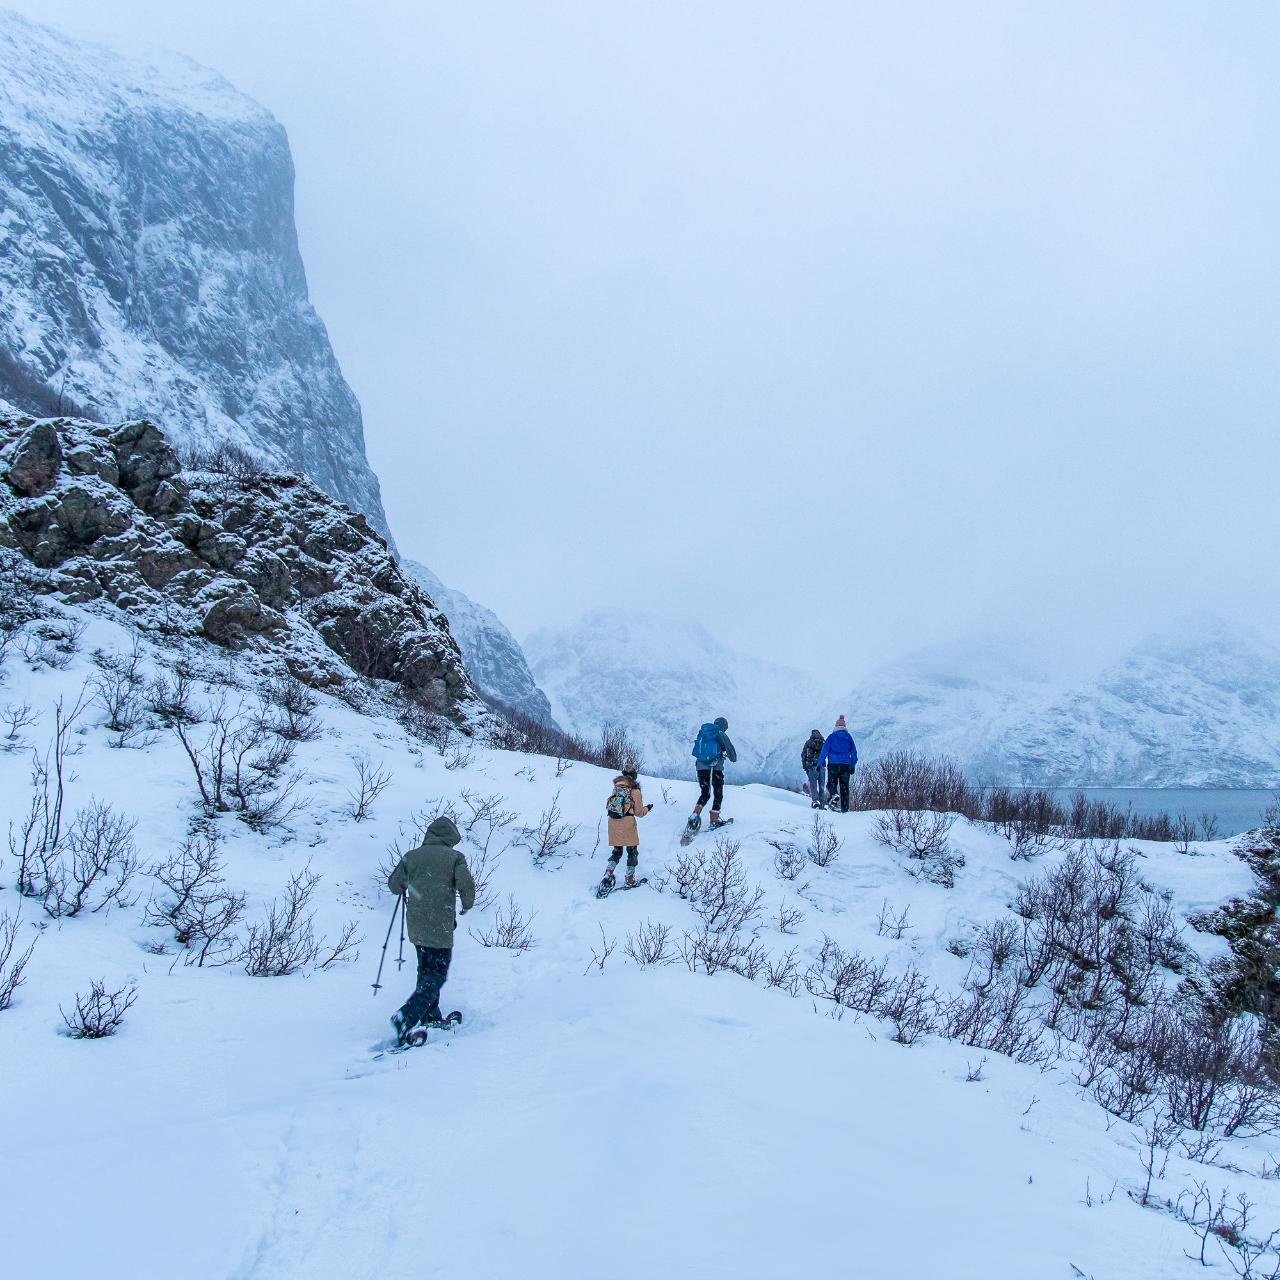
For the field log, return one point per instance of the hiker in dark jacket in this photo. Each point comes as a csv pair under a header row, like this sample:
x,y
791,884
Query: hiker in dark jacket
x,y
709,750
432,878
810,754
839,755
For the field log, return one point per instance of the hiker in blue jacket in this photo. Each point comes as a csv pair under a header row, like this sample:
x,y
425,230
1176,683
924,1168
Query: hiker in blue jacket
x,y
709,750
839,755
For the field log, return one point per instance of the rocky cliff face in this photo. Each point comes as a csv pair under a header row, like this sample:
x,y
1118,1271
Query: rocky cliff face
x,y
264,563
493,656
149,263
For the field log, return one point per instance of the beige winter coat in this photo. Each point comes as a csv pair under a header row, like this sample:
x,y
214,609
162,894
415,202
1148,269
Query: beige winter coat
x,y
622,831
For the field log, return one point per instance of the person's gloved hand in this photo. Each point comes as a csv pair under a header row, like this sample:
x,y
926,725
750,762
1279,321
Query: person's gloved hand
x,y
648,808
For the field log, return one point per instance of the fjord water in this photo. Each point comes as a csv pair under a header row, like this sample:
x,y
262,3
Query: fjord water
x,y
1237,810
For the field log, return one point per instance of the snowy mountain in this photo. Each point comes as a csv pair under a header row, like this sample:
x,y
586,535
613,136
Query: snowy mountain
x,y
149,264
661,678
494,659
1198,706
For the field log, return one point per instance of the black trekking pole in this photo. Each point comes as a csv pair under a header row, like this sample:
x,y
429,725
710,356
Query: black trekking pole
x,y
400,959
377,982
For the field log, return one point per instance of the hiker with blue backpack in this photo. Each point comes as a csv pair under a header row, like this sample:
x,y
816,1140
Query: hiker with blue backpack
x,y
710,748
840,755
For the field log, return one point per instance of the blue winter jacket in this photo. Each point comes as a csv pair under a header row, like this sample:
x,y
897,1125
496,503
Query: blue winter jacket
x,y
726,748
838,749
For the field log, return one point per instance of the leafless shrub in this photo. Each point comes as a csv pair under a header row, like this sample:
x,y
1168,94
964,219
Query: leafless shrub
x,y
892,924
922,836
913,1005
119,691
511,929
459,755
1208,826
205,926
170,697
905,780
239,763
650,945
974,1074
788,860
40,835
295,705
52,642
12,961
722,898
711,949
562,766
1227,1222
190,873
667,797
550,835
789,917
1185,830
617,748
18,716
824,844
847,978
92,865
345,950
101,1012
371,781
227,461
284,940
783,972
996,1014
607,947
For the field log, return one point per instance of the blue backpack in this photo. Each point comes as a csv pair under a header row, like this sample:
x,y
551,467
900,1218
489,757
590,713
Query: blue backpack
x,y
706,748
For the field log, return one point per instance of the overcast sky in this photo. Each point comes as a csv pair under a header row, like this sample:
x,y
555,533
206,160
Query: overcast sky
x,y
842,327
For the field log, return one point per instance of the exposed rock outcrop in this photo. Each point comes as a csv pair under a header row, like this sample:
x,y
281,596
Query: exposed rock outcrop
x,y
260,561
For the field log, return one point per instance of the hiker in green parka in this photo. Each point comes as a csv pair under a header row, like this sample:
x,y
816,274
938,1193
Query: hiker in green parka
x,y
431,878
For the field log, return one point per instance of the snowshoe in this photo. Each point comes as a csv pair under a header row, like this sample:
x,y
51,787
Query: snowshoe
x,y
606,886
721,822
691,829
447,1022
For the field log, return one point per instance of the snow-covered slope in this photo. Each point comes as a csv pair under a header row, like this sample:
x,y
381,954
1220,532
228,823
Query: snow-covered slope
x,y
592,1117
1198,706
661,679
494,659
149,263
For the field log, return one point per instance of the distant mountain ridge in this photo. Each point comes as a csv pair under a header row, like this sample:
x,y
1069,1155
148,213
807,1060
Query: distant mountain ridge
x,y
493,656
1198,706
149,263
661,678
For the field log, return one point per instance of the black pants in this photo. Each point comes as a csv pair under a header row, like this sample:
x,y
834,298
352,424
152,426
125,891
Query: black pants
x,y
708,779
633,856
838,776
433,969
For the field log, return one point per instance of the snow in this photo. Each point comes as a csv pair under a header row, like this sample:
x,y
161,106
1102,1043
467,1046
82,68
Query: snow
x,y
583,1122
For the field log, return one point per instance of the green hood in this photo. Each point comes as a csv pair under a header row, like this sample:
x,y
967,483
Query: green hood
x,y
443,831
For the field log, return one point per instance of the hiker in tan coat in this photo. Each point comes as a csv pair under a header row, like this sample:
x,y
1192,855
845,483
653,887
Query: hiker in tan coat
x,y
624,806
